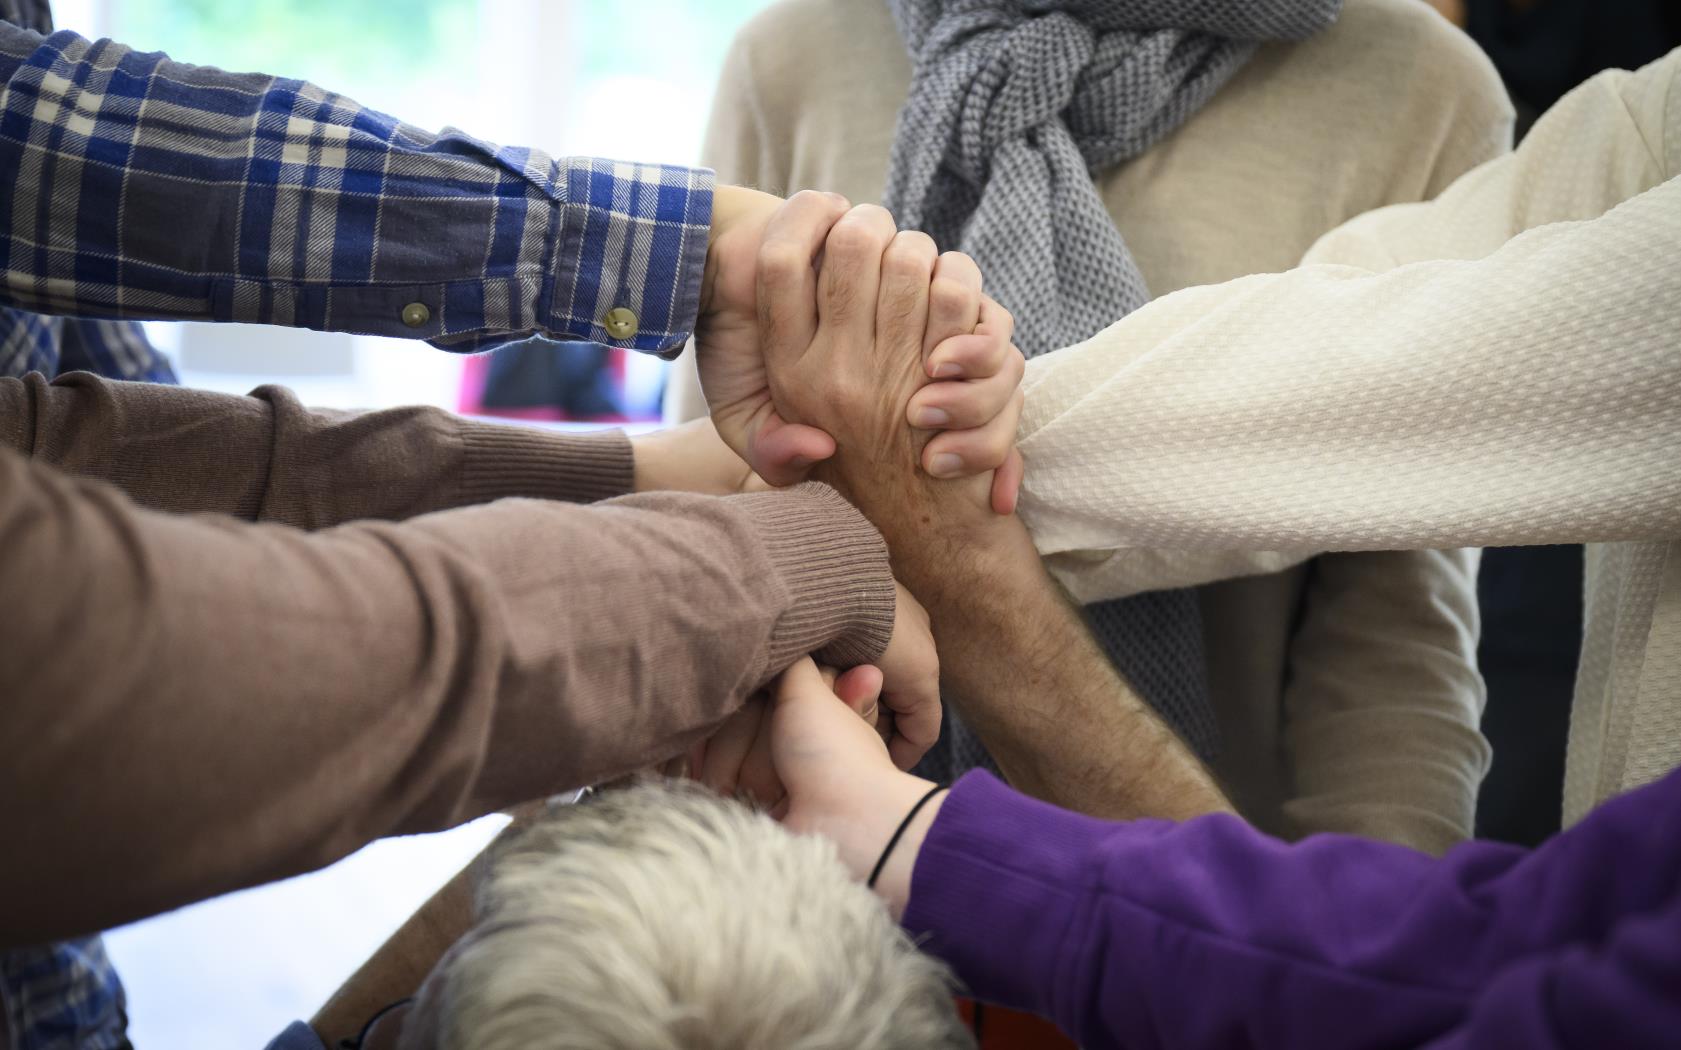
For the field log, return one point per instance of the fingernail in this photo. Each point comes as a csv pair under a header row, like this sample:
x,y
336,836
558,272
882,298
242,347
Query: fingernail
x,y
945,465
949,370
931,417
869,715
838,199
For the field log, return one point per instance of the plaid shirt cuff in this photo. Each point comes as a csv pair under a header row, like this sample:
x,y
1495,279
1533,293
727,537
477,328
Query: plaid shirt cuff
x,y
627,253
632,253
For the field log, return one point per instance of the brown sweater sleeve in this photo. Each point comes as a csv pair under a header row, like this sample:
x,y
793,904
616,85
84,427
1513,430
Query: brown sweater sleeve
x,y
195,703
267,458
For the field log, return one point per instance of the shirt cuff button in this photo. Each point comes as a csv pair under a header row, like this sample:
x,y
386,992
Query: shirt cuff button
x,y
620,322
416,314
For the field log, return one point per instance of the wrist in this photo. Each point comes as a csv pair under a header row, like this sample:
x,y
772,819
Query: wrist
x,y
648,473
944,537
733,207
911,806
658,465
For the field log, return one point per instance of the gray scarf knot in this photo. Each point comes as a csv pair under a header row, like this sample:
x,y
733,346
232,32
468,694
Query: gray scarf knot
x,y
1027,78
1015,104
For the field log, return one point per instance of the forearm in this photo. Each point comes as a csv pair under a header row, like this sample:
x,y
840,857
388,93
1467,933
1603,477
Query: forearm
x,y
1322,409
1365,405
1019,663
429,236
373,678
267,458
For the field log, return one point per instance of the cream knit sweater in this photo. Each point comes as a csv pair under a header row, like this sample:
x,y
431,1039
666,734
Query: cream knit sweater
x,y
1501,365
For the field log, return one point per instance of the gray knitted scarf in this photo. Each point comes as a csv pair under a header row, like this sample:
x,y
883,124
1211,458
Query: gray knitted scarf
x,y
1014,106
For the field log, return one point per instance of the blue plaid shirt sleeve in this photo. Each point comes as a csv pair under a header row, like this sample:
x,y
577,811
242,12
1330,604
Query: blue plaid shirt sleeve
x,y
141,188
63,996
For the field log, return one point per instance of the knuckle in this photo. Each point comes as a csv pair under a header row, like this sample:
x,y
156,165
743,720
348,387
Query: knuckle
x,y
950,294
908,258
915,244
852,237
1016,365
875,216
1006,322
954,261
781,262
904,267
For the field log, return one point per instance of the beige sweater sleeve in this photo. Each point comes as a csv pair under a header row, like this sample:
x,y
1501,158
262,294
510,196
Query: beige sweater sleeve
x,y
1383,702
1527,394
215,703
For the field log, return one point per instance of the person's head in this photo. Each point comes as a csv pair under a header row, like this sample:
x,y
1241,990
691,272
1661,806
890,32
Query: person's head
x,y
662,917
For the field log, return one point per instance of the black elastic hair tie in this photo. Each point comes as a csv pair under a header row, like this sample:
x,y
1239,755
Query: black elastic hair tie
x,y
899,832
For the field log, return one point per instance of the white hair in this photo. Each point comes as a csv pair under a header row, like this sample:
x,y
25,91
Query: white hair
x,y
662,917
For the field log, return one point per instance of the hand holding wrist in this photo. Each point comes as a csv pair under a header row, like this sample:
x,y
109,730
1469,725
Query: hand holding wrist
x,y
841,783
855,347
728,348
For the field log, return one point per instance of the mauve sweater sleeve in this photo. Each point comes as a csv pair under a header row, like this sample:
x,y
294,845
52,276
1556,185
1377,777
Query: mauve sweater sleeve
x,y
194,703
265,457
1210,934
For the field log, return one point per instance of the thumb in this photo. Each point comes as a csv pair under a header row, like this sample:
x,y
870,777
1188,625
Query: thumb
x,y
801,678
781,452
860,689
1006,484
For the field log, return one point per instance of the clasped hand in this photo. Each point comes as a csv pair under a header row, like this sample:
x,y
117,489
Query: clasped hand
x,y
825,328
866,353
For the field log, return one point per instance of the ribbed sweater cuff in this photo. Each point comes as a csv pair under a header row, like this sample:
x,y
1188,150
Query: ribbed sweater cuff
x,y
502,460
834,563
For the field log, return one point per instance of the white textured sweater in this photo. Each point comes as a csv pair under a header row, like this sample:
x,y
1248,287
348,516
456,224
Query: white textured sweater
x,y
1501,365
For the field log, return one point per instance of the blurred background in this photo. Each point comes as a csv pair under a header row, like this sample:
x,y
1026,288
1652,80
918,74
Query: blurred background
x,y
615,78
633,79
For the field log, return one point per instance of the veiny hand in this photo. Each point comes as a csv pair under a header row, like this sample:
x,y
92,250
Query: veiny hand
x,y
851,347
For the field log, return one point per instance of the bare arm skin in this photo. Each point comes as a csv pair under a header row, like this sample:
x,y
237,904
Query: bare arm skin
x,y
848,350
1024,671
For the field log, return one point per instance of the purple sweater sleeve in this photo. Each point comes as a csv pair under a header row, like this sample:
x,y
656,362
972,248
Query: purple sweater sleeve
x,y
1210,934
